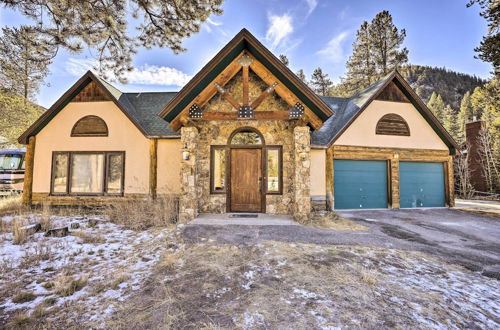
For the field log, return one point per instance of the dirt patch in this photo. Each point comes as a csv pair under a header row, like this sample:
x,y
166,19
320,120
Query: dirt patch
x,y
274,284
331,220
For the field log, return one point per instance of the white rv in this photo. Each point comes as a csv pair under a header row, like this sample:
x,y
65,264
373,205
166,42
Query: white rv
x,y
11,171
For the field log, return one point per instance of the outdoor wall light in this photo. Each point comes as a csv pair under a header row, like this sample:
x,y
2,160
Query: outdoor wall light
x,y
396,155
303,155
185,155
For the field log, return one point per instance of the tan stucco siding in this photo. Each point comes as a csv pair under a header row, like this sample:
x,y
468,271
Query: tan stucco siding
x,y
318,184
362,130
169,166
123,136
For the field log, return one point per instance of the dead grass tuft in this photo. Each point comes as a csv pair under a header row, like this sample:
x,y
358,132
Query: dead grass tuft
x,y
144,214
167,261
20,319
121,278
331,220
12,205
89,238
23,296
67,285
19,235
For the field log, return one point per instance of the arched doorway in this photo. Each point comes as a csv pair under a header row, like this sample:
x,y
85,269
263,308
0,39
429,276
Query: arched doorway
x,y
246,164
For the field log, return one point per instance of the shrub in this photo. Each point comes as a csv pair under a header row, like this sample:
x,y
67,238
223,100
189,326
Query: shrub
x,y
143,214
66,285
19,235
22,297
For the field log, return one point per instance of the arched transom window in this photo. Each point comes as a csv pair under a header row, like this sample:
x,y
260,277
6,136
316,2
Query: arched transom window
x,y
90,126
392,124
246,135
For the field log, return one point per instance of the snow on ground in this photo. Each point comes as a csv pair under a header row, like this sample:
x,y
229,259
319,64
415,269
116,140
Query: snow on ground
x,y
107,262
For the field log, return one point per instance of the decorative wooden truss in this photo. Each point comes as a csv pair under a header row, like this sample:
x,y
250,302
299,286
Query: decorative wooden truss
x,y
244,62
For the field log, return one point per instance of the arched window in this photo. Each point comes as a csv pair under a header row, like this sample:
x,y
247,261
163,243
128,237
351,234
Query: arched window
x,y
90,126
392,124
246,135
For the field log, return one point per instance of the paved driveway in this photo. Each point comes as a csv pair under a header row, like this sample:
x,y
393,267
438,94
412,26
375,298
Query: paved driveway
x,y
460,237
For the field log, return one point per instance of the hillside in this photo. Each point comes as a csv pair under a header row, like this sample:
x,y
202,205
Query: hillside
x,y
449,84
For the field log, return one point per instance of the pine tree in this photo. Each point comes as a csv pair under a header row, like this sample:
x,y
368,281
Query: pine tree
x,y
320,82
450,122
301,75
386,41
360,66
23,64
284,59
376,51
437,107
465,115
103,26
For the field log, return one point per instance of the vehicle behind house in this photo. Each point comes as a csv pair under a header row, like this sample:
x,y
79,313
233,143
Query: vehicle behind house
x,y
11,171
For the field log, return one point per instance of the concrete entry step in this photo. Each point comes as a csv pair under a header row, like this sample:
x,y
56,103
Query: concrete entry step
x,y
248,219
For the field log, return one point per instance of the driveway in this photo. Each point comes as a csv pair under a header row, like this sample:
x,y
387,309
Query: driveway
x,y
460,237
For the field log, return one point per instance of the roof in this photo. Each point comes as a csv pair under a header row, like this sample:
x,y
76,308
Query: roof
x,y
245,40
140,108
346,110
12,151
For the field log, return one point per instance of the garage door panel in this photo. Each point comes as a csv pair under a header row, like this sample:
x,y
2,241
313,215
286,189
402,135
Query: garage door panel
x,y
421,184
360,184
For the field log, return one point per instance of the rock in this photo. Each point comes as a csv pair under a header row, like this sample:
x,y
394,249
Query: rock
x,y
75,225
31,229
57,232
92,223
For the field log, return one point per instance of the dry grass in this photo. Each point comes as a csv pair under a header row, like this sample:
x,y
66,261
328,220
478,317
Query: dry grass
x,y
22,297
144,214
19,319
89,238
67,285
19,235
12,205
331,220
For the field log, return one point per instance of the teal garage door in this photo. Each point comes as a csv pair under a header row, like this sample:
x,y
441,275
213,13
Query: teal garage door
x,y
360,184
421,184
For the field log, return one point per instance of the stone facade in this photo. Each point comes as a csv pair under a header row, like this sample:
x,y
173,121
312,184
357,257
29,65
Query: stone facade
x,y
302,173
275,133
188,201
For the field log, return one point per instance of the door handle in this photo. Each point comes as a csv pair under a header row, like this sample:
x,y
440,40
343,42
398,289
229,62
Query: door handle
x,y
260,185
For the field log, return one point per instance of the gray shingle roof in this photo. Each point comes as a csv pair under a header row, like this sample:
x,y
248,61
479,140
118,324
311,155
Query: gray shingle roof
x,y
144,109
345,110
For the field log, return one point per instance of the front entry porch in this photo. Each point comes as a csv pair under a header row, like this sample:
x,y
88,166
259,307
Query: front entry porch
x,y
256,219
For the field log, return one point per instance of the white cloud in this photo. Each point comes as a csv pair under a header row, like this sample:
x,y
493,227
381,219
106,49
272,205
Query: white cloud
x,y
312,5
143,75
280,27
333,51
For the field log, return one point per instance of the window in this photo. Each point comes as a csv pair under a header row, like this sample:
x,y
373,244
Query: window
x,y
246,136
90,126
218,170
273,170
88,173
392,124
10,161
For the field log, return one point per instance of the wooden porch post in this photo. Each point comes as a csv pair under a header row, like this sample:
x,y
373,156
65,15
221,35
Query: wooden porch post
x,y
153,167
28,174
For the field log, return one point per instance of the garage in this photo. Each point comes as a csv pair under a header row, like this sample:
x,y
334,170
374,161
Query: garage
x,y
421,184
360,184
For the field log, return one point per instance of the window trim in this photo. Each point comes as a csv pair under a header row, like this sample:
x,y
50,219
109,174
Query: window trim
x,y
212,154
74,134
69,173
243,130
280,170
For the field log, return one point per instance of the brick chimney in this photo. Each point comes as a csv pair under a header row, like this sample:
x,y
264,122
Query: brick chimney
x,y
472,133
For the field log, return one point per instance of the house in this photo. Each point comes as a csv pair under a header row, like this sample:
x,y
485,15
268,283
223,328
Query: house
x,y
244,135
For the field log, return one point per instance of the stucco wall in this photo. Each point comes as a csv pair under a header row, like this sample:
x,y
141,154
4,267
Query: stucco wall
x,y
169,166
123,136
318,184
362,130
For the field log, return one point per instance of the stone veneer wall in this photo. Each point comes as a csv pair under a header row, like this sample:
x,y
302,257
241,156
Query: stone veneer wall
x,y
217,133
188,201
302,173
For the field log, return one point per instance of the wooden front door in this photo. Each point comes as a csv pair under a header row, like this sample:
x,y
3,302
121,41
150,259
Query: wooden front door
x,y
246,177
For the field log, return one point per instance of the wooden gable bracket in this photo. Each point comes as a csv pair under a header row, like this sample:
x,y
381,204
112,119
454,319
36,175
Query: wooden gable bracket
x,y
309,116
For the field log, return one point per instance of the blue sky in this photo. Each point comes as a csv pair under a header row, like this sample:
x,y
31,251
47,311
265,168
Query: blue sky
x,y
311,33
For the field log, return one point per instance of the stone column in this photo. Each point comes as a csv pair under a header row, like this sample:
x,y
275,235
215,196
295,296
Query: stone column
x,y
188,203
302,175
394,179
